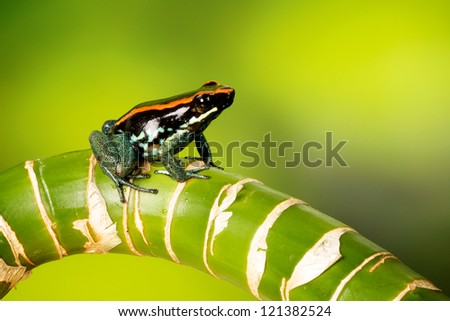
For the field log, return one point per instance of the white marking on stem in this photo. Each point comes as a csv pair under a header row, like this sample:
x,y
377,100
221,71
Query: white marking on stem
x,y
219,217
170,212
12,274
44,215
323,254
99,229
212,216
16,247
137,217
126,232
349,276
256,258
381,261
424,284
45,187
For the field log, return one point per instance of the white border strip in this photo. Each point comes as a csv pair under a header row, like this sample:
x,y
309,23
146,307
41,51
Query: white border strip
x,y
233,310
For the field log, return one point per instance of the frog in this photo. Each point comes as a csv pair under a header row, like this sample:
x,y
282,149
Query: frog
x,y
156,131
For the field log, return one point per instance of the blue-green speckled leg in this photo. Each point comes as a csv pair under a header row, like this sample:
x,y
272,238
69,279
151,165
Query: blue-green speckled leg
x,y
118,159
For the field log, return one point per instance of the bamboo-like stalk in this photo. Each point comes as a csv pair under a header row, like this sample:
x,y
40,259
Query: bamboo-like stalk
x,y
234,228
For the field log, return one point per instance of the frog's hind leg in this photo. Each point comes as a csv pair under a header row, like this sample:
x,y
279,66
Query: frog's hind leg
x,y
108,150
120,182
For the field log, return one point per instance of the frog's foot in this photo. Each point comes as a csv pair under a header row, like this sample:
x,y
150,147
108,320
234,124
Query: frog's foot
x,y
211,164
139,176
207,163
139,188
122,182
192,173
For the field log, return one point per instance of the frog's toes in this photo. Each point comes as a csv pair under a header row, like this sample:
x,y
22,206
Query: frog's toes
x,y
163,172
139,176
187,174
208,164
192,173
196,170
211,164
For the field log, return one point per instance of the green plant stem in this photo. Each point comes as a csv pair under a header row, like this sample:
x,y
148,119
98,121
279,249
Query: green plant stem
x,y
231,227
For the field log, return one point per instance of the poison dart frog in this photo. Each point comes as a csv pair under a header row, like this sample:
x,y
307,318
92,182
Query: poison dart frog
x,y
155,131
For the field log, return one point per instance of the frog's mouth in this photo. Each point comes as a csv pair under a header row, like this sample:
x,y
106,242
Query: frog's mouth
x,y
203,117
226,98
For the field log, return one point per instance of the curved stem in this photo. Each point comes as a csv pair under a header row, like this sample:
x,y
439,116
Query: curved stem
x,y
235,228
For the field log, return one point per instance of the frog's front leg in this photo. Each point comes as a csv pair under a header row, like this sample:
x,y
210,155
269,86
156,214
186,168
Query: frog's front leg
x,y
172,165
203,149
117,158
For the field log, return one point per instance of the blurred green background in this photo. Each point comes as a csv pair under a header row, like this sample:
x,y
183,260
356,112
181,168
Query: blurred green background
x,y
374,73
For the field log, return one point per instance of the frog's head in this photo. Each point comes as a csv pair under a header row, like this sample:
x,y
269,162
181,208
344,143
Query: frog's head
x,y
211,95
107,126
208,102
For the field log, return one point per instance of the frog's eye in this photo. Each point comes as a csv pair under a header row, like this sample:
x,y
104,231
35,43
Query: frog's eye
x,y
107,126
202,99
202,102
